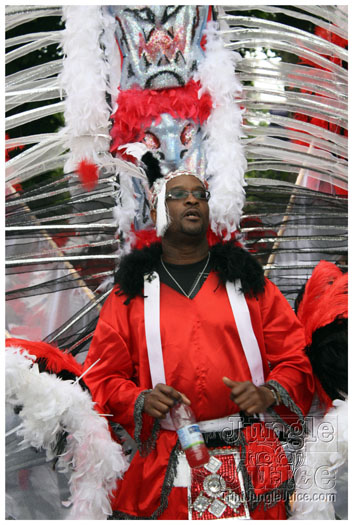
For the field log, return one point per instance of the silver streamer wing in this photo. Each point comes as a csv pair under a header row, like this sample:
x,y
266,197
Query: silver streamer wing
x,y
295,99
61,241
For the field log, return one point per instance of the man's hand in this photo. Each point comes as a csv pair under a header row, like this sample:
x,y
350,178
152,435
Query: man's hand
x,y
249,398
161,399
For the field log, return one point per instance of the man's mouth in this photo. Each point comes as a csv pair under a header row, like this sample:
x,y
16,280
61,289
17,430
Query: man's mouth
x,y
192,214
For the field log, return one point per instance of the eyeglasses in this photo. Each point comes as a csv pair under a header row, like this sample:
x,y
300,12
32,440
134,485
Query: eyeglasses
x,y
179,194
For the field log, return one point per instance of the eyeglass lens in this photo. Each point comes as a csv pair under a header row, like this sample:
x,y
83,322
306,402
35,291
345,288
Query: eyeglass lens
x,y
182,194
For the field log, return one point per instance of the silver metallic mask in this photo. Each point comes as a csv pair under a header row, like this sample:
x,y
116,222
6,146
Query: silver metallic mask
x,y
177,144
160,44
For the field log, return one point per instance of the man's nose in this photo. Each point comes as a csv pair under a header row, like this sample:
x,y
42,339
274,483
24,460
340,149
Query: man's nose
x,y
191,198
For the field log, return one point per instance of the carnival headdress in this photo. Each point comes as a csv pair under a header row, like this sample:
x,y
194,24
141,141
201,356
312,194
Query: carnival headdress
x,y
175,109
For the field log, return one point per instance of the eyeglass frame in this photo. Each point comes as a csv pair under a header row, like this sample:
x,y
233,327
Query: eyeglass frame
x,y
187,193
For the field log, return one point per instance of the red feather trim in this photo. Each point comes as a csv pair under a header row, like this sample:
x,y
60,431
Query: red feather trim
x,y
138,108
55,358
213,238
144,238
88,173
325,298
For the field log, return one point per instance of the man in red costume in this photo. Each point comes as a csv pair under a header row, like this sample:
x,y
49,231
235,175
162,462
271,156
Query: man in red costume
x,y
220,361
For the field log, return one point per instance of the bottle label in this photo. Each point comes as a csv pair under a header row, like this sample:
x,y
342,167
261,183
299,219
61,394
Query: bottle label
x,y
189,436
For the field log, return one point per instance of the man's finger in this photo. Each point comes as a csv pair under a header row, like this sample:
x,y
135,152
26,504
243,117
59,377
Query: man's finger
x,y
155,407
243,400
163,398
254,409
156,413
168,391
239,387
185,399
161,406
171,392
229,383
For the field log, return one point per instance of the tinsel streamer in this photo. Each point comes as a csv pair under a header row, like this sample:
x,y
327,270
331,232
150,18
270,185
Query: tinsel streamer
x,y
226,161
20,14
44,156
50,405
282,90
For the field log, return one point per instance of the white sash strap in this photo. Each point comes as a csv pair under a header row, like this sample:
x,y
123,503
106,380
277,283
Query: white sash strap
x,y
152,328
246,333
153,336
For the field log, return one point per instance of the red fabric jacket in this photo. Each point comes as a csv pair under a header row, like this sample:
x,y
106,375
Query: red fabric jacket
x,y
200,345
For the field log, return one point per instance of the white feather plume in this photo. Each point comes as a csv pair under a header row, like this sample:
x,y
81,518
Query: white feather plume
x,y
162,218
112,54
126,205
135,149
84,82
226,162
50,405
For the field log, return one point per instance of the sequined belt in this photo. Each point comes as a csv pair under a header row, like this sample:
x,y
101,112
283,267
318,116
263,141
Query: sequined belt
x,y
215,490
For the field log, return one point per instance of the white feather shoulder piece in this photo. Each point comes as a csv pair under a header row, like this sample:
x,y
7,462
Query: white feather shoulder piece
x,y
50,405
325,456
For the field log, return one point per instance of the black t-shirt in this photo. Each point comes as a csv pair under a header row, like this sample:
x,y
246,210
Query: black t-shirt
x,y
185,274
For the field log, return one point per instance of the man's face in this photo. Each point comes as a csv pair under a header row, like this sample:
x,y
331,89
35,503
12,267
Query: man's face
x,y
189,215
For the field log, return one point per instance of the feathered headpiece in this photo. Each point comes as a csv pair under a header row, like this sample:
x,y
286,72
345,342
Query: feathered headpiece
x,y
323,311
325,298
173,108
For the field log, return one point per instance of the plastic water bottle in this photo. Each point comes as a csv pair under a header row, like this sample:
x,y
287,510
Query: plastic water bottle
x,y
189,434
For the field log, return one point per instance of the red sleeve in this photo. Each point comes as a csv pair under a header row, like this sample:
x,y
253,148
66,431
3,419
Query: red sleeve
x,y
112,380
284,341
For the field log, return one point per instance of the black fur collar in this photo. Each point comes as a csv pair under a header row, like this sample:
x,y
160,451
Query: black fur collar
x,y
229,261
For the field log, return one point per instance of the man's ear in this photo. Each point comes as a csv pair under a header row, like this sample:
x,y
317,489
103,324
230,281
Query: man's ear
x,y
153,215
